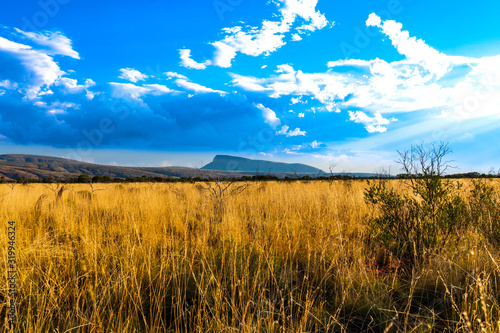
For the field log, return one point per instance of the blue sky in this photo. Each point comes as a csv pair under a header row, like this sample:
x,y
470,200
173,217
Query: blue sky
x,y
157,82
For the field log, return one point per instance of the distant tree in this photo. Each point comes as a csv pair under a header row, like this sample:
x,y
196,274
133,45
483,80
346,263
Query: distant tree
x,y
97,179
84,179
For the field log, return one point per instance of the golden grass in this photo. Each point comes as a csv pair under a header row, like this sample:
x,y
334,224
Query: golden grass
x,y
278,257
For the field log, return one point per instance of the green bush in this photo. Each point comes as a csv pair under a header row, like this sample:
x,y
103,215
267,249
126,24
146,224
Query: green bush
x,y
485,209
412,223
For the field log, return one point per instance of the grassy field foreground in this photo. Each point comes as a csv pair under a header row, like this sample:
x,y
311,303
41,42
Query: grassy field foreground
x,y
273,257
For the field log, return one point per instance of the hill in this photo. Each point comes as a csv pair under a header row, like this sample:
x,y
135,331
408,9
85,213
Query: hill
x,y
15,166
40,167
240,164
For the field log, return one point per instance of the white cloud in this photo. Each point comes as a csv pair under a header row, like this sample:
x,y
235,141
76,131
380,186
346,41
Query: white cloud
x,y
413,84
306,9
248,83
285,131
252,42
175,75
41,69
71,86
61,107
158,89
373,20
373,124
315,144
301,115
296,132
223,54
38,71
197,88
291,152
186,61
125,90
129,90
269,116
348,62
328,88
415,50
55,42
132,75
183,82
286,68
7,84
296,37
264,40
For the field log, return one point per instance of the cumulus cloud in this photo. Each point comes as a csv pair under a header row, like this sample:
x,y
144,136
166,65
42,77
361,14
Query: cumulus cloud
x,y
462,87
58,107
127,90
269,116
415,50
185,83
285,68
132,75
54,43
71,86
372,124
158,89
134,92
171,75
328,88
249,83
296,132
263,40
223,55
373,20
188,62
315,144
252,41
7,84
197,88
285,131
40,69
32,70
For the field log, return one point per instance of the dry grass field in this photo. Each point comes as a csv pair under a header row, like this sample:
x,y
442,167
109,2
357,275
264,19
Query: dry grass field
x,y
273,257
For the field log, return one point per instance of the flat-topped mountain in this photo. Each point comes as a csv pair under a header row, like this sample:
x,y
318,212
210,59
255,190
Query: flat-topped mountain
x,y
240,164
15,166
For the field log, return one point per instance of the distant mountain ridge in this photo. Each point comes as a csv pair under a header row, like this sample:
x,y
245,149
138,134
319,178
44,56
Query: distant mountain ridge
x,y
240,164
20,158
15,166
